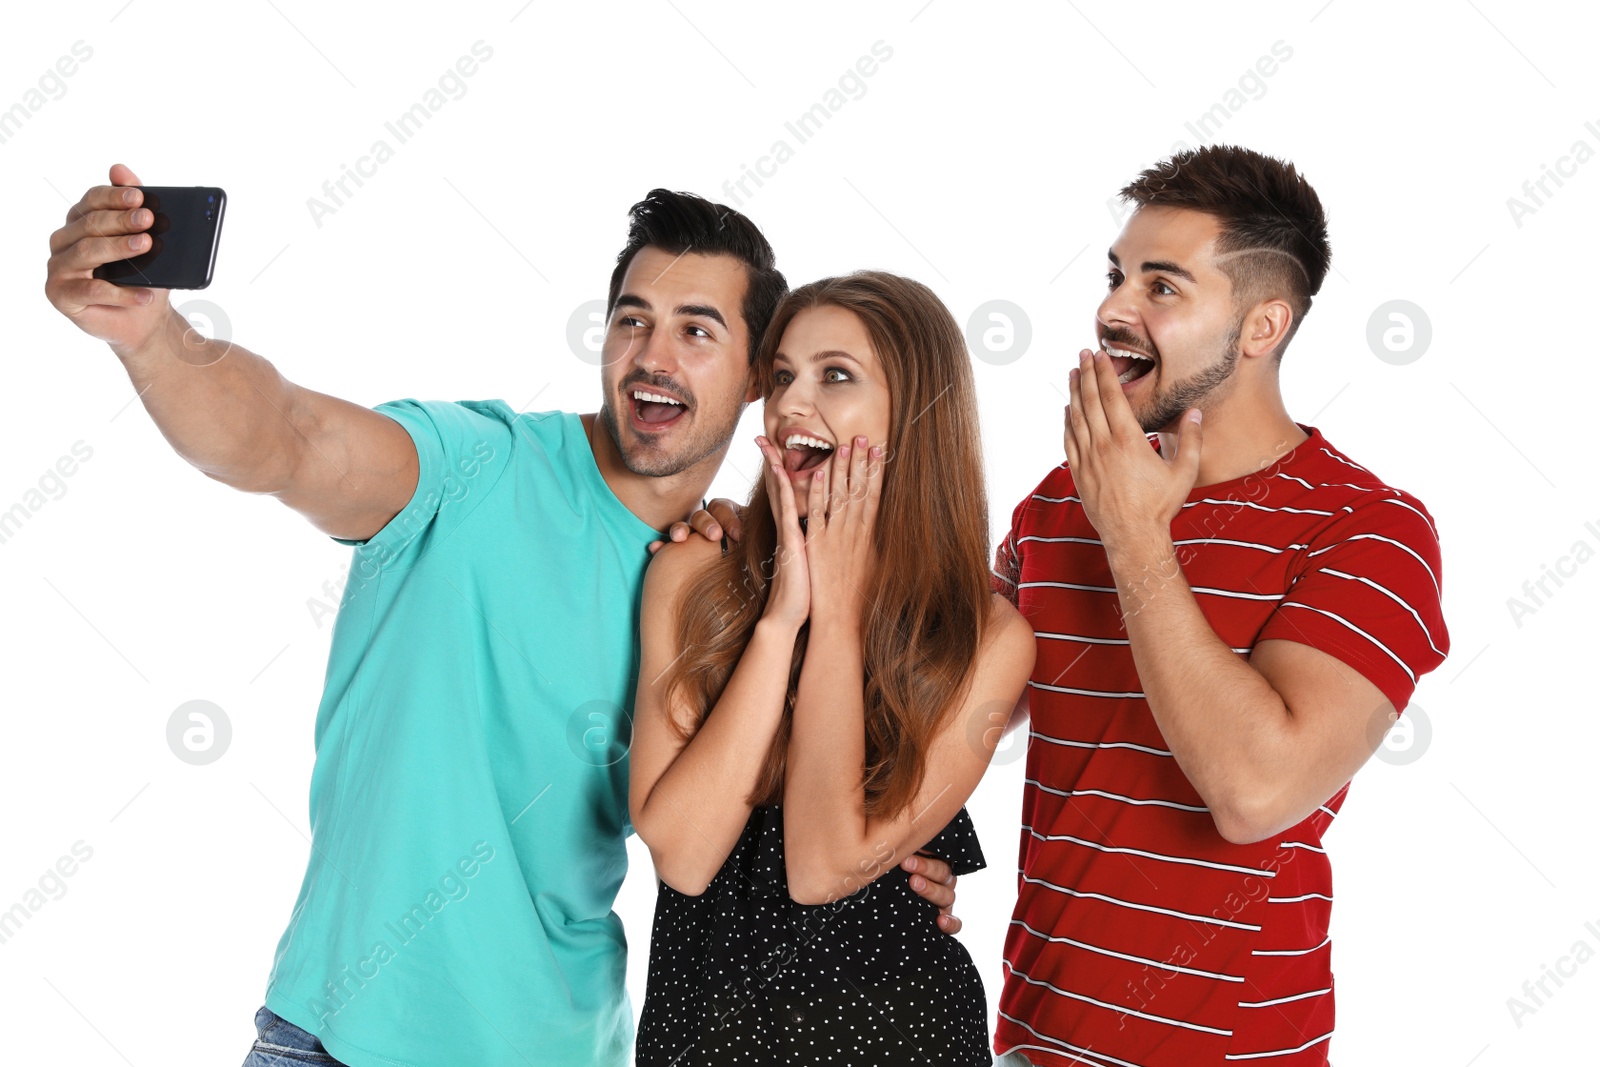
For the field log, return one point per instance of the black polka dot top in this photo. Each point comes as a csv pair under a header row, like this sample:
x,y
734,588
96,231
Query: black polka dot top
x,y
744,975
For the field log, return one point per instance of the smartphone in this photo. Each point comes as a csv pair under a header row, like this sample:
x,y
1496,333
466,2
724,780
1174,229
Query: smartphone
x,y
183,239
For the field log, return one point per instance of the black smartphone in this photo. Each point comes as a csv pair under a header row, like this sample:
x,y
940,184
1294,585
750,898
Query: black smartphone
x,y
183,239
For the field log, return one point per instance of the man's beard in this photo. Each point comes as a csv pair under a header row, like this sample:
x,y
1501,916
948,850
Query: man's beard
x,y
1172,402
652,460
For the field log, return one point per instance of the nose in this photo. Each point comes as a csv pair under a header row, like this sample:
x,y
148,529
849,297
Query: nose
x,y
654,352
1117,309
796,399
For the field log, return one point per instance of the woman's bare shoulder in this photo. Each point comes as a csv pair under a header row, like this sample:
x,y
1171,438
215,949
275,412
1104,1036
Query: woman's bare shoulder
x,y
1008,627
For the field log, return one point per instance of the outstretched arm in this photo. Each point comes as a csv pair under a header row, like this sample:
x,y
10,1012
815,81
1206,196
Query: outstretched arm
x,y
225,410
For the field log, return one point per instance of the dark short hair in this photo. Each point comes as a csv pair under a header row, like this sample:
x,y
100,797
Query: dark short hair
x,y
683,222
1263,205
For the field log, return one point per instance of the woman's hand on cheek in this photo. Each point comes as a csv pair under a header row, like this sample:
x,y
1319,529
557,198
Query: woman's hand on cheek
x,y
789,595
841,515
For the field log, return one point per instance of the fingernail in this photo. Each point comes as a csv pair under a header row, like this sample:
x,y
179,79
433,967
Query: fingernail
x,y
714,530
917,883
1194,416
129,197
144,296
877,450
909,863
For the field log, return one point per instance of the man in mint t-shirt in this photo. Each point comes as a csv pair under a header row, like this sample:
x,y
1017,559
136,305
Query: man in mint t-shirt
x,y
469,797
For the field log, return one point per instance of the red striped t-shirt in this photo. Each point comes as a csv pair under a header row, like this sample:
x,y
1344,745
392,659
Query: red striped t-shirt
x,y
1141,937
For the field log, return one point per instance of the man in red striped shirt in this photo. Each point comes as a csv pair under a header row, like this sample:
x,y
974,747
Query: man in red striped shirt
x,y
1225,632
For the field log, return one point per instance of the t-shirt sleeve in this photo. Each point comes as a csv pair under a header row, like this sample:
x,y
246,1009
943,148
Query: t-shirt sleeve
x,y
461,448
1007,570
1369,593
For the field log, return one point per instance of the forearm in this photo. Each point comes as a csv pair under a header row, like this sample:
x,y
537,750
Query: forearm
x,y
826,829
225,410
1227,727
698,808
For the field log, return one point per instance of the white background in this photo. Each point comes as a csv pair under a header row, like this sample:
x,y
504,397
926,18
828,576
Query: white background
x,y
981,158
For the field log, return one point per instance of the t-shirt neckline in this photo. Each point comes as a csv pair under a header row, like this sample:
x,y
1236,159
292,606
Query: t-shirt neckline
x,y
1313,441
602,488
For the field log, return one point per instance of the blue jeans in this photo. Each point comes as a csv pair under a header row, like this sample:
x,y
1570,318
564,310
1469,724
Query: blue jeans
x,y
280,1043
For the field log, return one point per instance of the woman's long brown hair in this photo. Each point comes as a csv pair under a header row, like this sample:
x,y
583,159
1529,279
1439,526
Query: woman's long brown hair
x,y
930,596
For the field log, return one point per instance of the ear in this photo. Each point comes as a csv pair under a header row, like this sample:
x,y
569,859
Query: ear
x,y
752,392
1265,326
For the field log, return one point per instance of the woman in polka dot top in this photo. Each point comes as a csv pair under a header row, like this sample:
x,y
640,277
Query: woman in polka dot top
x,y
816,702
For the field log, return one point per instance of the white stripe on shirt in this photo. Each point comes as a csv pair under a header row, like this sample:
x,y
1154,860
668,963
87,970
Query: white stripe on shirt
x,y
1084,692
1359,630
1284,1000
1210,920
1165,965
1387,540
1151,855
1278,1052
1099,744
1078,1051
1290,951
1118,1008
1114,796
1391,596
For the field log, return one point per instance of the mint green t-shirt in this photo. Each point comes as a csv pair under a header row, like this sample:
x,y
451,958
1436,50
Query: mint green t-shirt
x,y
469,800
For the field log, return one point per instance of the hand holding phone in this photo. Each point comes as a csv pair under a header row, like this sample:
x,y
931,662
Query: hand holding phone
x,y
109,223
184,228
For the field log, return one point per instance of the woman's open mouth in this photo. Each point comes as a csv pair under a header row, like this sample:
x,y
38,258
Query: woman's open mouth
x,y
802,453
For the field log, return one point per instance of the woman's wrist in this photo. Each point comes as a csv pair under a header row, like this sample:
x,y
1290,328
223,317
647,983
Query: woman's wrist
x,y
778,627
839,622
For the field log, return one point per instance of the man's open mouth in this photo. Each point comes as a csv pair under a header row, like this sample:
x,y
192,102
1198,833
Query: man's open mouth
x,y
802,452
654,409
1129,364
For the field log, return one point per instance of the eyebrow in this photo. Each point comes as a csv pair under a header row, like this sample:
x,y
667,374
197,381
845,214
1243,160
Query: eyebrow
x,y
1154,266
818,357
705,311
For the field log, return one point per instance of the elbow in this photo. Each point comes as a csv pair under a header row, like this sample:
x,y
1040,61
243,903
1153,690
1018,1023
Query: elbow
x,y
689,884
814,891
814,883
1248,819
1240,831
686,877
677,872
